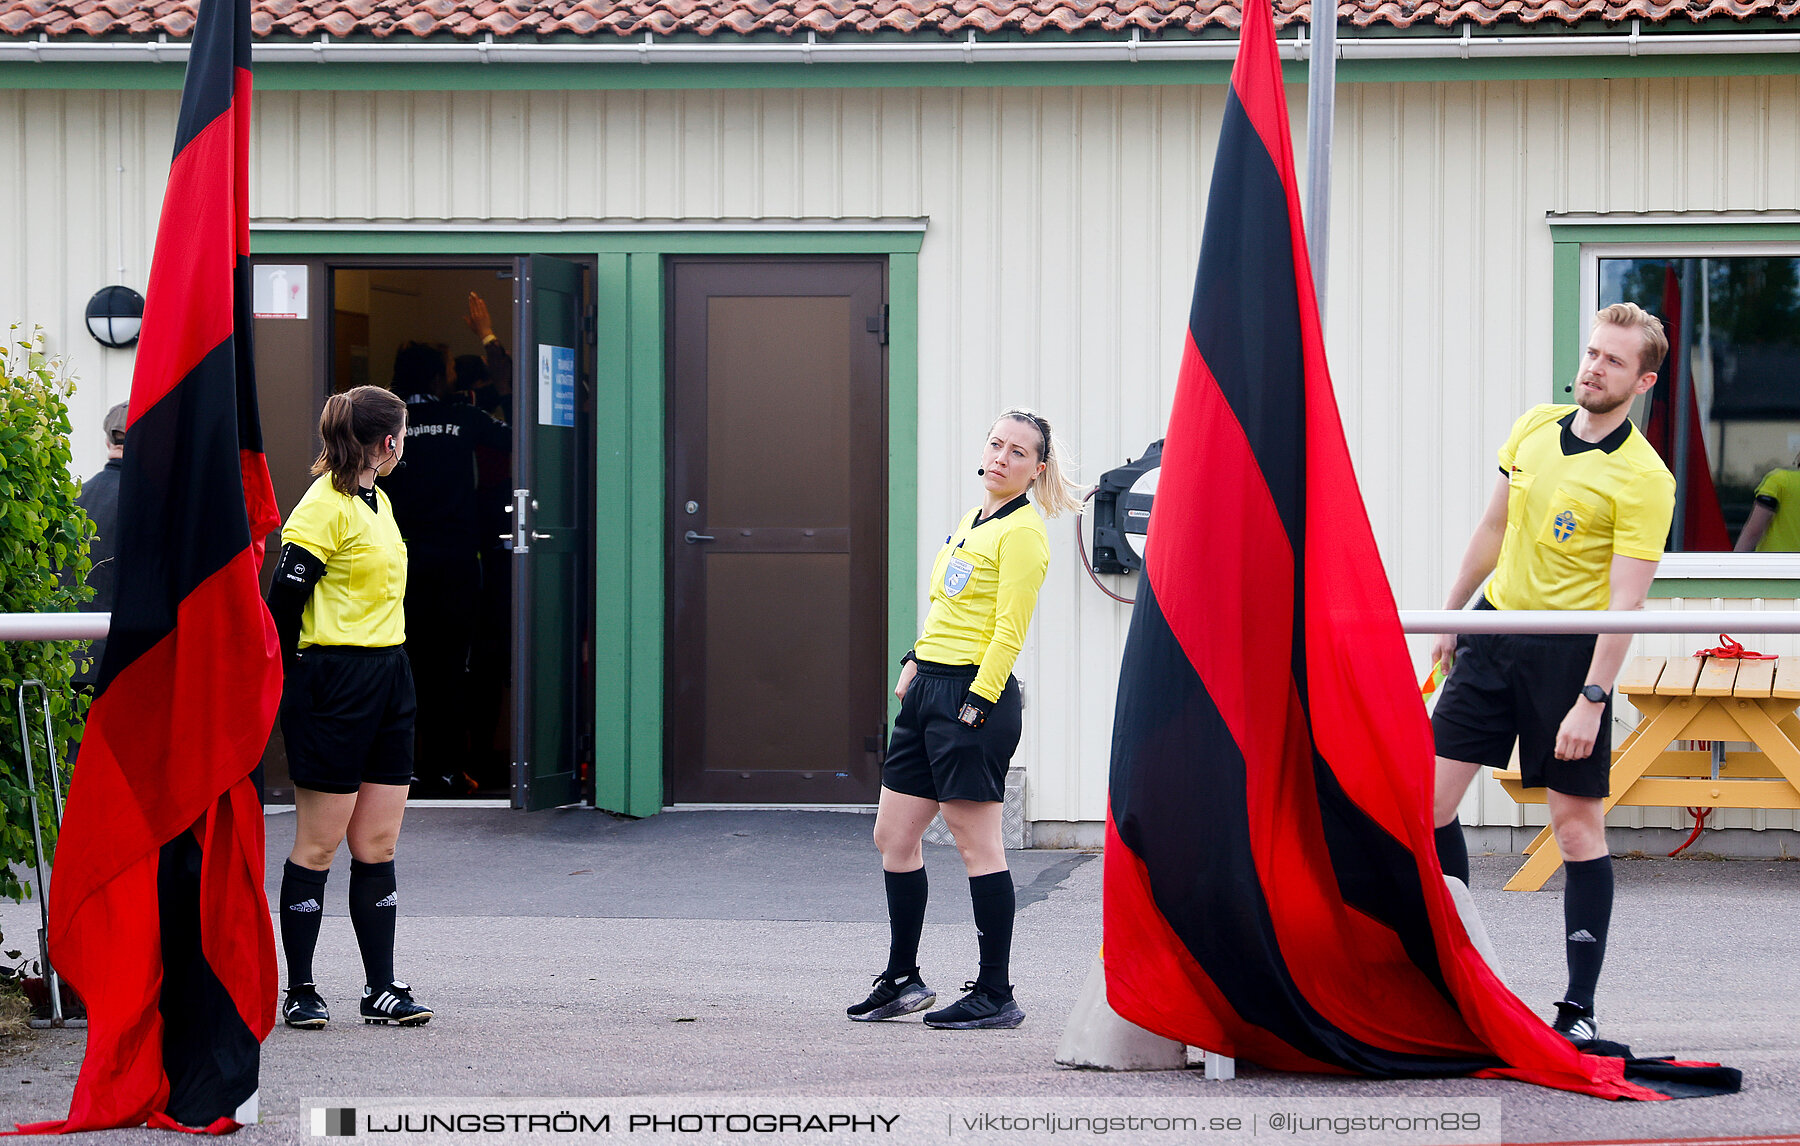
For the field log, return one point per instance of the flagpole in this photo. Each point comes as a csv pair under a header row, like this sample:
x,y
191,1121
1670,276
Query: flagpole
x,y
1321,94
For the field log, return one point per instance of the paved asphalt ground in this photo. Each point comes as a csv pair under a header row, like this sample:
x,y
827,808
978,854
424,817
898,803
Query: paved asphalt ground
x,y
712,953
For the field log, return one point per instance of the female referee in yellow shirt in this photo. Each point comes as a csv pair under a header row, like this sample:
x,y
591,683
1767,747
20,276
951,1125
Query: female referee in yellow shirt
x,y
959,723
347,703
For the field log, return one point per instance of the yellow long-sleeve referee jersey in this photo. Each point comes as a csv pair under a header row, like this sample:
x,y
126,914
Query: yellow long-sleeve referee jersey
x,y
984,587
361,598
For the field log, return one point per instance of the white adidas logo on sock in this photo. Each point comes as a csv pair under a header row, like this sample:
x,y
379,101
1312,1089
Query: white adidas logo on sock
x,y
1582,936
304,905
391,899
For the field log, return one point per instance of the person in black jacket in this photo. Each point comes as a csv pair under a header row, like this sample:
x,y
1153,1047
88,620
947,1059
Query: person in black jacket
x,y
437,511
486,381
99,498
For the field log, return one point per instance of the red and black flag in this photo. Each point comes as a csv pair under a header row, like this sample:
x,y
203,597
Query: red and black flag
x,y
157,912
1702,518
1272,891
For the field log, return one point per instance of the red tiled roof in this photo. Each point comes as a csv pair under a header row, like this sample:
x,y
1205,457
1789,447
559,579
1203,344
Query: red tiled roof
x,y
468,19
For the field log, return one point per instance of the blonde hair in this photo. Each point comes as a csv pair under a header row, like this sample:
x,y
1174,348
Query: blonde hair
x,y
352,424
1057,494
1648,326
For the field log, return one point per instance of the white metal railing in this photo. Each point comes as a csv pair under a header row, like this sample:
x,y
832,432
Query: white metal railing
x,y
54,626
92,626
1599,621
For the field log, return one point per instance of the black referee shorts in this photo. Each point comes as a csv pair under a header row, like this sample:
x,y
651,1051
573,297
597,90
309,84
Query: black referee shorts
x,y
1504,686
935,756
347,717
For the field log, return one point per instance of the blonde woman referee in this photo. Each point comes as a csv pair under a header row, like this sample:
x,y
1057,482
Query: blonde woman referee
x,y
959,723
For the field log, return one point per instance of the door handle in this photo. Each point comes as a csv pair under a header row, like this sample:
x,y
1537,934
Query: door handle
x,y
536,536
693,538
521,535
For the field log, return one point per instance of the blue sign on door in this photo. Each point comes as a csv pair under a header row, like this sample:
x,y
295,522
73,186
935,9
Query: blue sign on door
x,y
556,386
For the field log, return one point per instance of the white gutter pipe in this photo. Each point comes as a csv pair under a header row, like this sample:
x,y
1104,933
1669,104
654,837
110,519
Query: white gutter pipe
x,y
92,626
812,50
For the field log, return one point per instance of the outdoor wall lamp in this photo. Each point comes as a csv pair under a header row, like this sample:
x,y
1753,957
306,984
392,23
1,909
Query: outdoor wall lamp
x,y
114,315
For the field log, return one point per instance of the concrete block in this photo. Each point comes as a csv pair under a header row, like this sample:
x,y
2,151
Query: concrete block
x,y
1471,921
1096,1038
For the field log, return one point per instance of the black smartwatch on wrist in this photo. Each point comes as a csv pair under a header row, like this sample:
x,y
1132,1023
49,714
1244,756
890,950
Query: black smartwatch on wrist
x,y
974,710
1595,693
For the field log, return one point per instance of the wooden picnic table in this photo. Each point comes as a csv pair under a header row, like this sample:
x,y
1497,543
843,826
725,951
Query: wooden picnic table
x,y
1692,698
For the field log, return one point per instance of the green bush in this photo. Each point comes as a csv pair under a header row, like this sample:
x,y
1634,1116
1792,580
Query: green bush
x,y
44,539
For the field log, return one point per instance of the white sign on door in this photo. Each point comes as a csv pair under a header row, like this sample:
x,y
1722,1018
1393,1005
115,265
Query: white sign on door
x,y
556,385
279,291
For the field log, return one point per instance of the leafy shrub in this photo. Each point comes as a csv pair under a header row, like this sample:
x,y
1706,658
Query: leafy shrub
x,y
44,539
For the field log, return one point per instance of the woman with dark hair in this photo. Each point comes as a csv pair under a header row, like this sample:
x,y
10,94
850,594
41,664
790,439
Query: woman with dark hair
x,y
347,704
959,723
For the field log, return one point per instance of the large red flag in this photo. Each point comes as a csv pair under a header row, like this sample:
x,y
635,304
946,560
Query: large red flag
x,y
157,912
1271,886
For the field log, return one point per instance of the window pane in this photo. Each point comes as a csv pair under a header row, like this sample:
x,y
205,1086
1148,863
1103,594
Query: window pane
x,y
1734,363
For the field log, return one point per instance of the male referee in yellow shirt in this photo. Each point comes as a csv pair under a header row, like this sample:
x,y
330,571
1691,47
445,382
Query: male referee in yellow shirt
x,y
1577,521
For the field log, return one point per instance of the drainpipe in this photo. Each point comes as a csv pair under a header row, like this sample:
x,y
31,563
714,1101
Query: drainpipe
x,y
1321,110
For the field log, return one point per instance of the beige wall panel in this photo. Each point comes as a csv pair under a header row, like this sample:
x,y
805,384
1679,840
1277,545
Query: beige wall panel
x,y
61,154
859,132
1056,271
396,151
698,173
1783,155
738,148
272,147
901,176
820,131
546,188
432,159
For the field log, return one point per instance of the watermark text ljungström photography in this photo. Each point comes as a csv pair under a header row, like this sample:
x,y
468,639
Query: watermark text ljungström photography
x,y
905,1121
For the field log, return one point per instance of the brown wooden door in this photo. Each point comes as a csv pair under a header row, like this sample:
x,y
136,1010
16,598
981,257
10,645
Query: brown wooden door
x,y
777,531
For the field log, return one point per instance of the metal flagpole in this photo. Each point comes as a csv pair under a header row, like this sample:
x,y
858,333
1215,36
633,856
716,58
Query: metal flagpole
x,y
1321,102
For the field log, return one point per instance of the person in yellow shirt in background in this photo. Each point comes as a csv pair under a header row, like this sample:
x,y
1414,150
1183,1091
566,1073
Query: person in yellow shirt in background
x,y
347,703
1770,529
959,723
1577,520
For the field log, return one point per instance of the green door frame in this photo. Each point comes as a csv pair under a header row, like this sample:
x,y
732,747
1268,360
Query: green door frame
x,y
1570,327
630,395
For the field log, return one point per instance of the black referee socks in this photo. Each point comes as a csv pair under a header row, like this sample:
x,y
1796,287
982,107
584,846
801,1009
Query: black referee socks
x,y
906,893
1587,913
302,901
1452,850
373,906
992,895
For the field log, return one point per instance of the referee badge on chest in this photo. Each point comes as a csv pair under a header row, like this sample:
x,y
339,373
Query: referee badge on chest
x,y
956,575
1563,525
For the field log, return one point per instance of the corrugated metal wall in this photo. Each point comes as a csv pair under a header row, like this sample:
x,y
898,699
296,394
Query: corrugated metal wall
x,y
1056,271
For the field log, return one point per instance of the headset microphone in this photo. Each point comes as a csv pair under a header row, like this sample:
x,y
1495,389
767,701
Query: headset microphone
x,y
980,471
1569,389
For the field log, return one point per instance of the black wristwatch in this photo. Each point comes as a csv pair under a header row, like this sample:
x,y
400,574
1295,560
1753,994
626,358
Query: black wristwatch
x,y
1595,693
974,710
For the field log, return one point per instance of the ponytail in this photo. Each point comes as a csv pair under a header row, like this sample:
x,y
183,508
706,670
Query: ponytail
x,y
1057,493
352,424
